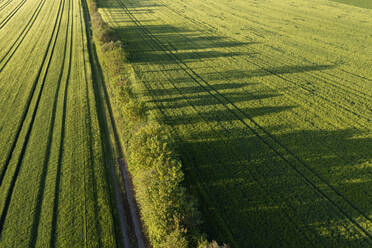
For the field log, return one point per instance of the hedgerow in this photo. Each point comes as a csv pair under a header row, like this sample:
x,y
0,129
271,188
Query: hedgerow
x,y
168,213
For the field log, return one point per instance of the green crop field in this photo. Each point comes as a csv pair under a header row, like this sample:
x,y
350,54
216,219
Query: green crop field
x,y
54,189
359,3
271,104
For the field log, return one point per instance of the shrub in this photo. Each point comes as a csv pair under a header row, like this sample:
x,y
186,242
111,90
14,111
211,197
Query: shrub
x,y
212,244
157,175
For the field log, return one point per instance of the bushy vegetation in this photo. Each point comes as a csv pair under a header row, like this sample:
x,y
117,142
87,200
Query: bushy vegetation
x,y
168,213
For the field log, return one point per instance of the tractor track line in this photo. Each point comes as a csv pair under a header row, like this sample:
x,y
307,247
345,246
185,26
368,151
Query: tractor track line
x,y
309,90
90,141
5,4
29,25
200,115
195,109
198,173
338,155
194,21
53,232
41,188
28,134
10,15
30,97
303,87
107,150
260,183
299,85
209,30
214,30
277,142
288,206
195,77
14,51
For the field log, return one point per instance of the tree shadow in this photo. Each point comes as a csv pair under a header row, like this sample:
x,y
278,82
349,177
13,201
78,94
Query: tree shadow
x,y
132,5
272,188
251,196
168,47
247,191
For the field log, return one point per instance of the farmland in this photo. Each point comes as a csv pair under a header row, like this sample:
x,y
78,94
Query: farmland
x,y
54,189
270,102
358,3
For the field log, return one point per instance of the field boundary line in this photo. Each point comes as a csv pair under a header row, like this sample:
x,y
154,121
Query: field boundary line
x,y
105,120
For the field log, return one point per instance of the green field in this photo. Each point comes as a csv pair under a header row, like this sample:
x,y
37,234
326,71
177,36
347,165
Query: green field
x,y
54,189
359,3
271,103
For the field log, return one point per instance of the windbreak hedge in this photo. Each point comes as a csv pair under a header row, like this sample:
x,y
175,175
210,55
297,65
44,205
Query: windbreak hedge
x,y
167,212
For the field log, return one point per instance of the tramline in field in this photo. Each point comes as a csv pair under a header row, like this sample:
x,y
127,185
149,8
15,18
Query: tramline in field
x,y
270,102
269,105
54,189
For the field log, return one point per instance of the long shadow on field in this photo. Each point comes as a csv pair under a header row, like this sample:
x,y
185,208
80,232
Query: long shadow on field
x,y
248,192
169,45
249,195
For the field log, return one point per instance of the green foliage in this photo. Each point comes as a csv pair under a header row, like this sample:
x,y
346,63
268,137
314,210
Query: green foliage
x,y
157,175
102,31
133,111
213,244
169,214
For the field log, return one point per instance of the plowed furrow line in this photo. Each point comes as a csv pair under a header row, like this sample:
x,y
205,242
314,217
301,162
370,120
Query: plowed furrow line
x,y
51,47
281,150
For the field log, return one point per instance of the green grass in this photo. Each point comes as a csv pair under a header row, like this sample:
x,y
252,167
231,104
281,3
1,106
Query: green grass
x,y
54,188
359,3
270,102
